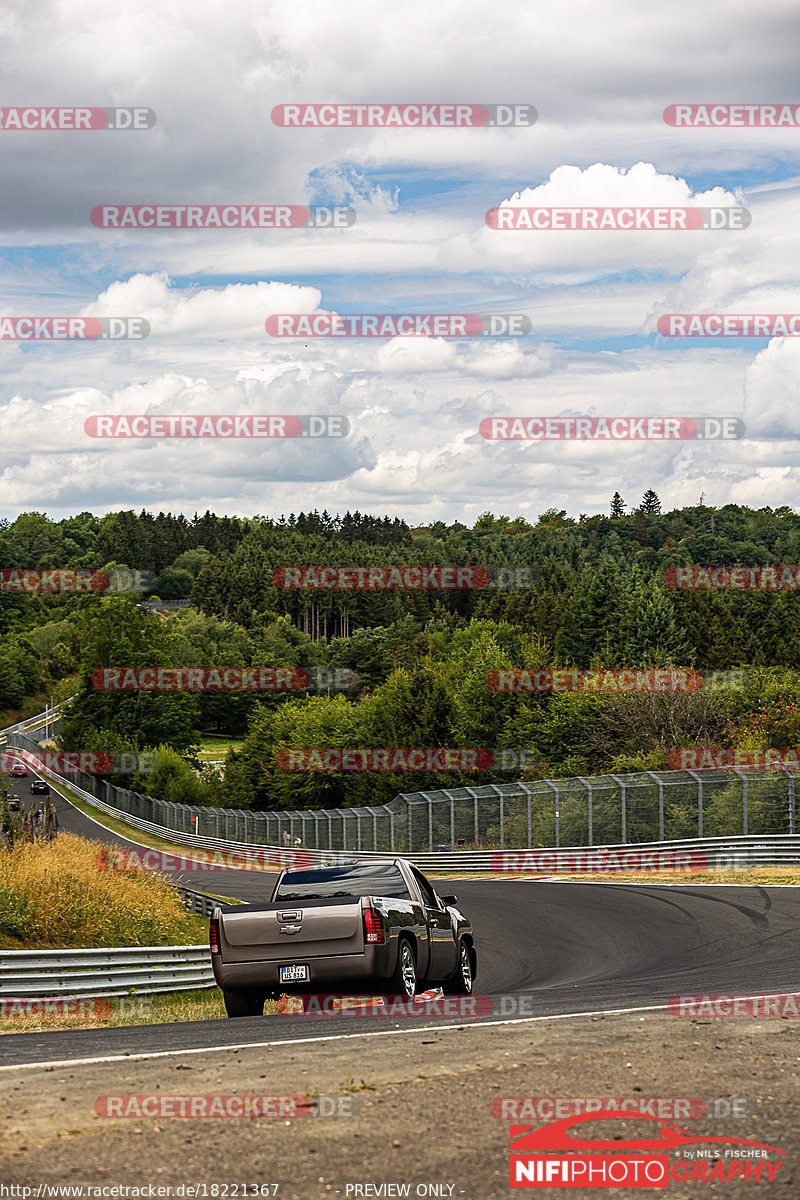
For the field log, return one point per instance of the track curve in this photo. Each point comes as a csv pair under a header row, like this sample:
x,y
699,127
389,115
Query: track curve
x,y
568,947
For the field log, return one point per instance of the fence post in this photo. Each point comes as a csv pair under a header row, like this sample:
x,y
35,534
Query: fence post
x,y
791,804
588,787
558,810
699,783
527,792
410,829
660,783
452,822
472,792
390,815
624,808
745,817
501,794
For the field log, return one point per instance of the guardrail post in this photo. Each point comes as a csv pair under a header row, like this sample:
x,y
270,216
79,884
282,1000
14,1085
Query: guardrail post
x,y
624,808
330,829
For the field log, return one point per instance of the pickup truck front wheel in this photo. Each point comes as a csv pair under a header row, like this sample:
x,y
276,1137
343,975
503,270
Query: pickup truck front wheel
x,y
404,981
243,1004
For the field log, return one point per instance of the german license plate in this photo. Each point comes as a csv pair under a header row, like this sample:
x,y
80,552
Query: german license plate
x,y
295,973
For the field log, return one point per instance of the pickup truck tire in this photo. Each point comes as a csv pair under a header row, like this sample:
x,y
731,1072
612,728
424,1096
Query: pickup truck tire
x,y
404,980
460,982
243,1004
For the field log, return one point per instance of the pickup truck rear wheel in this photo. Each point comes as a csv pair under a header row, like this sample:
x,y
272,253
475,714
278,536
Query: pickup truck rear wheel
x,y
243,1004
460,982
404,981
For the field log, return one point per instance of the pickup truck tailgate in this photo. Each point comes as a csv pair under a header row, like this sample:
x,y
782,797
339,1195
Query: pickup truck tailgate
x,y
289,930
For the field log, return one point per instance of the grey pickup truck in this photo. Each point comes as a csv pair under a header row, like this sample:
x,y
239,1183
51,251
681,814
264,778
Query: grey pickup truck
x,y
328,929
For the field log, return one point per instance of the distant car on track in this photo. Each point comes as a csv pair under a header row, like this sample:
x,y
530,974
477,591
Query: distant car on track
x,y
39,788
18,771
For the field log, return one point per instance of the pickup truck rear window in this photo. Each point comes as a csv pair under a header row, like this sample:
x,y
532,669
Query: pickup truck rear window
x,y
362,880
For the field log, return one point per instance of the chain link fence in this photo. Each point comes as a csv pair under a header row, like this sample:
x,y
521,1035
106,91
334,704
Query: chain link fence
x,y
649,806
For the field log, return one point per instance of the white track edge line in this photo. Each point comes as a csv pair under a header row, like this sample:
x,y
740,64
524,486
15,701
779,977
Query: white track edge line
x,y
340,1037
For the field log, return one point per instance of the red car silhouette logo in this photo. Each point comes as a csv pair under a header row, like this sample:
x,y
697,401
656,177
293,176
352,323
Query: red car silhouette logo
x,y
555,1136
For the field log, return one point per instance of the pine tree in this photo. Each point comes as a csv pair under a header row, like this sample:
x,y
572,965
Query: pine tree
x,y
617,505
651,505
590,625
654,637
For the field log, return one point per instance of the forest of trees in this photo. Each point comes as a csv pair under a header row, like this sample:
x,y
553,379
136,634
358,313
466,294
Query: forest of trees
x,y
596,598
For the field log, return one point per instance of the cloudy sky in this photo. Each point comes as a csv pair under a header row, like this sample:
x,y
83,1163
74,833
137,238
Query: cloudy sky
x,y
599,77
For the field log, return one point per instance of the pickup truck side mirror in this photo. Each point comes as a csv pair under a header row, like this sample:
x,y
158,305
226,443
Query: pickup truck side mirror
x,y
448,899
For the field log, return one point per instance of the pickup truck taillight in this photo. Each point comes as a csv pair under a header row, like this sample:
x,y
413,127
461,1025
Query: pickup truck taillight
x,y
214,935
373,925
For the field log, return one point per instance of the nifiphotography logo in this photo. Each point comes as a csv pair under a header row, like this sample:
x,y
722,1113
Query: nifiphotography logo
x,y
552,1156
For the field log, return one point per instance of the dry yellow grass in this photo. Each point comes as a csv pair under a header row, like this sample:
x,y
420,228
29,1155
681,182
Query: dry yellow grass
x,y
61,894
115,1011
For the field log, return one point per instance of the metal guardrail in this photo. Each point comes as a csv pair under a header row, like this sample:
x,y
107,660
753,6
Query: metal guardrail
x,y
198,902
32,724
117,971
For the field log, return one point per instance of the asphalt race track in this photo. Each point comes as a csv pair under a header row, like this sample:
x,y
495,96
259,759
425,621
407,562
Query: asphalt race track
x,y
565,947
